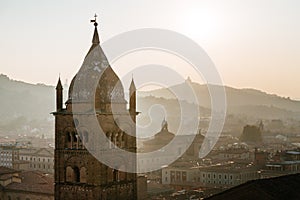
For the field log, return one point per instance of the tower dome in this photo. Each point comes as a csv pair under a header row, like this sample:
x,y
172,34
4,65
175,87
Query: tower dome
x,y
96,81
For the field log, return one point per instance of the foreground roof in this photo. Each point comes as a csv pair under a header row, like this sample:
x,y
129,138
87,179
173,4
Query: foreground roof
x,y
283,187
34,181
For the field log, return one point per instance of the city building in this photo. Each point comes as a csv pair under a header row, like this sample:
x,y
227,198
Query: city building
x,y
286,161
9,154
227,175
41,159
233,153
187,147
260,158
220,175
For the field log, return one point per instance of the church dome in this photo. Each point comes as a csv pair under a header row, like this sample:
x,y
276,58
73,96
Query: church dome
x,y
96,80
160,139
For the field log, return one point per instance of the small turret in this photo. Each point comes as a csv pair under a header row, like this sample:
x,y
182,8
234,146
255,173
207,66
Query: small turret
x,y
59,96
164,125
132,98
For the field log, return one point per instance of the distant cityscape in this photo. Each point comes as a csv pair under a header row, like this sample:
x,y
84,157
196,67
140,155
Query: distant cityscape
x,y
250,148
265,149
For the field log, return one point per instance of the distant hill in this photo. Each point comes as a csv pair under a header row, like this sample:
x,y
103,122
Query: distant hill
x,y
25,108
249,102
153,110
23,102
24,99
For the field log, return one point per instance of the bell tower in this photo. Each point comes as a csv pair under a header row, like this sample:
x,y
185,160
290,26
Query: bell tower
x,y
78,174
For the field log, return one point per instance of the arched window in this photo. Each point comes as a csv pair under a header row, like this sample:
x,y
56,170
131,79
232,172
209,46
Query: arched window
x,y
74,140
86,137
80,145
74,136
119,139
76,175
69,137
68,140
109,174
109,136
122,176
73,174
123,138
121,173
69,174
83,175
115,175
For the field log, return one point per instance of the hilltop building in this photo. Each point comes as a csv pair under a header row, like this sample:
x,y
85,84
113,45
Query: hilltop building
x,y
252,134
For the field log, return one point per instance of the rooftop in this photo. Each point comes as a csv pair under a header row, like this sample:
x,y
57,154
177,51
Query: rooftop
x,y
5,170
28,181
34,181
283,187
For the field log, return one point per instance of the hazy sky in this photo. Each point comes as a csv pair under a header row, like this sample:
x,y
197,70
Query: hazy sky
x,y
253,43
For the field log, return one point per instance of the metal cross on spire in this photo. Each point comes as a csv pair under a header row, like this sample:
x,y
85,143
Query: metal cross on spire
x,y
95,20
96,36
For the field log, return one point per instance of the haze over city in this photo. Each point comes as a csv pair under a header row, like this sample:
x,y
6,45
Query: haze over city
x,y
150,100
254,44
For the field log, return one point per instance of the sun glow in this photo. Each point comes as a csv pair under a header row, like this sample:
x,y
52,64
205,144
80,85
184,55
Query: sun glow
x,y
202,24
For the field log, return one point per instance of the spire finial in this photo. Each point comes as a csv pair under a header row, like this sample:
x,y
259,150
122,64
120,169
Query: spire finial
x,y
132,85
59,85
95,20
95,40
